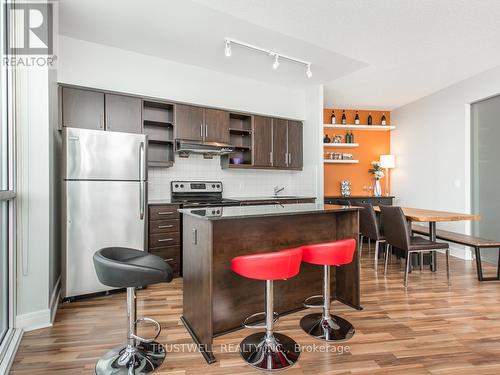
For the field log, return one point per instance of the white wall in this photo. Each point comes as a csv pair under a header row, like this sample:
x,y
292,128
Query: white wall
x,y
432,147
93,65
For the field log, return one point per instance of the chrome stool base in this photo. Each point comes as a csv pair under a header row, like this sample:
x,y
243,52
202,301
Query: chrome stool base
x,y
140,360
334,328
274,353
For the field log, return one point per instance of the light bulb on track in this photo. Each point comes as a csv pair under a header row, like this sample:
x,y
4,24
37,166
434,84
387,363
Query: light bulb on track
x,y
276,62
227,50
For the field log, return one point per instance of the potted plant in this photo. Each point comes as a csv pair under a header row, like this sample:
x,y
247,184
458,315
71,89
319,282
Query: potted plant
x,y
377,173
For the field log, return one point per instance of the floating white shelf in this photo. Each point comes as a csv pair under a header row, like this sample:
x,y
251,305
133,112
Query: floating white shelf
x,y
361,127
333,161
346,145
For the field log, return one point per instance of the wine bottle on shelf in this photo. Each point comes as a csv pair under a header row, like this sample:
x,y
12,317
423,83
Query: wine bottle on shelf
x,y
344,119
351,138
333,120
356,119
370,120
383,120
347,137
326,139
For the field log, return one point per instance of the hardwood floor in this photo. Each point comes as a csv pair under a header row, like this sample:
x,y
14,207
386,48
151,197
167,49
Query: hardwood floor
x,y
428,329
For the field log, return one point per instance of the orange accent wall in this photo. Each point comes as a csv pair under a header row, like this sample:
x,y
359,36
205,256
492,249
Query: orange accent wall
x,y
372,144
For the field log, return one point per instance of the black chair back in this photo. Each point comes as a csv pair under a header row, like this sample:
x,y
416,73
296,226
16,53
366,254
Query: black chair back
x,y
395,227
368,225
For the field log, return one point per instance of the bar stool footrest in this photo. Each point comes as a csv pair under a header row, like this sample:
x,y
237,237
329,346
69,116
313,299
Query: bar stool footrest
x,y
157,330
314,302
247,322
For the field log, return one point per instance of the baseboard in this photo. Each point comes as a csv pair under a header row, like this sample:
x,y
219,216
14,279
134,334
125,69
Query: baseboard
x,y
461,252
10,350
34,320
54,300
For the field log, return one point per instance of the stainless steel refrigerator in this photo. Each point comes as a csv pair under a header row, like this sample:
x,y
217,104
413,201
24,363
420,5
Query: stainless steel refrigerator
x,y
104,201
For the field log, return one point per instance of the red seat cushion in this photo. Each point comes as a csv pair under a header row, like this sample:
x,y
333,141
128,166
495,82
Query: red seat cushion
x,y
277,265
333,253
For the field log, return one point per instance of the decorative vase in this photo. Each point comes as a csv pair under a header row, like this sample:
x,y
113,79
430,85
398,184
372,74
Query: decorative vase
x,y
377,189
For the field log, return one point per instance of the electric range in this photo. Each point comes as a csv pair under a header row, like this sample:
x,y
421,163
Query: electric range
x,y
194,194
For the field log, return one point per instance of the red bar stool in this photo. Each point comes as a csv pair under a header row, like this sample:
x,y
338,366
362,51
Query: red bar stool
x,y
268,350
324,326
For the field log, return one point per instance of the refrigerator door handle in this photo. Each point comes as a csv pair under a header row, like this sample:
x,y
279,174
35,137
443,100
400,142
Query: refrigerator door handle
x,y
142,176
142,200
142,167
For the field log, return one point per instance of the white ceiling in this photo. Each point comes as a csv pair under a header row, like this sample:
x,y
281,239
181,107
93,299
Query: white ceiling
x,y
369,53
193,34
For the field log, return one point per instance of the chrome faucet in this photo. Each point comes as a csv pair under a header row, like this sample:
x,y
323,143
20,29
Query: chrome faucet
x,y
278,189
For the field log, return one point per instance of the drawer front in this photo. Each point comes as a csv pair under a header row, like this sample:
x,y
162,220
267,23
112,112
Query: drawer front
x,y
164,239
171,255
163,212
164,226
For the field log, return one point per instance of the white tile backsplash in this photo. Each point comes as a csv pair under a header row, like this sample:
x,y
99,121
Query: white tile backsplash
x,y
237,183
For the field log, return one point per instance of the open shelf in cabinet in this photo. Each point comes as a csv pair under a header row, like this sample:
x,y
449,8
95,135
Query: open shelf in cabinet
x,y
158,124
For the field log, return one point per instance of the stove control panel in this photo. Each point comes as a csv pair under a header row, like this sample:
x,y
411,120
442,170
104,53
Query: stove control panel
x,y
196,186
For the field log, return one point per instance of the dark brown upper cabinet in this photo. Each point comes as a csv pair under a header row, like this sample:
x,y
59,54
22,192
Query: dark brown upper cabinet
x,y
201,124
295,145
280,142
123,113
189,122
262,141
82,108
96,110
216,126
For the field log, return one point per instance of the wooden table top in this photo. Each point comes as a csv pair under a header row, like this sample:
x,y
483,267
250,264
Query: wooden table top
x,y
419,214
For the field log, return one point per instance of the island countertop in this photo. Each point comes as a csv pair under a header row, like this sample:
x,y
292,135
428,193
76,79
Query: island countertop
x,y
241,212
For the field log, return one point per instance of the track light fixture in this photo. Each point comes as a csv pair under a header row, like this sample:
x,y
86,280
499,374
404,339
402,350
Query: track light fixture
x,y
276,55
276,62
227,50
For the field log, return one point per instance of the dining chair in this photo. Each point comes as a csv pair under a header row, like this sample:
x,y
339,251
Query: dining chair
x,y
369,228
397,235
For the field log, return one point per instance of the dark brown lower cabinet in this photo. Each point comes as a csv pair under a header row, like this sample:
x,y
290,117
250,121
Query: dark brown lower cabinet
x,y
164,238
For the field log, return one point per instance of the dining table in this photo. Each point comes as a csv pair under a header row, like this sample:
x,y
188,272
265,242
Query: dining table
x,y
432,217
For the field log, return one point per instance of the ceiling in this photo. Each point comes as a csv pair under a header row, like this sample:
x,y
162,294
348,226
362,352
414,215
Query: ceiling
x,y
368,53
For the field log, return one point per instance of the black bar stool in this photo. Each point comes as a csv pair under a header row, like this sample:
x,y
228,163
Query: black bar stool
x,y
121,267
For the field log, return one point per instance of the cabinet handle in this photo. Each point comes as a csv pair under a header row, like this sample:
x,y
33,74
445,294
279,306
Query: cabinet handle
x,y
271,157
165,239
107,121
169,260
206,131
289,159
101,124
164,226
166,213
201,130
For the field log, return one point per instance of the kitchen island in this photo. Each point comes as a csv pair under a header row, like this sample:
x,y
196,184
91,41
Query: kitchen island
x,y
217,301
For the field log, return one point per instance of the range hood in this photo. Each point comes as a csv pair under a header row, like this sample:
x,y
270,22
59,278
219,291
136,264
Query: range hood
x,y
185,147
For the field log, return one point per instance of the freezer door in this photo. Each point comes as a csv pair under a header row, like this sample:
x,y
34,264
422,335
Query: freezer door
x,y
99,214
103,155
